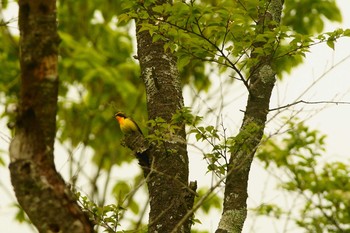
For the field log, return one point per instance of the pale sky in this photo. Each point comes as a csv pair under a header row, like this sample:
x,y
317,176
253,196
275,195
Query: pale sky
x,y
332,121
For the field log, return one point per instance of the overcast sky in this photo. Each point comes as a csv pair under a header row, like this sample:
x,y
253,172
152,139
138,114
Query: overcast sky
x,y
333,120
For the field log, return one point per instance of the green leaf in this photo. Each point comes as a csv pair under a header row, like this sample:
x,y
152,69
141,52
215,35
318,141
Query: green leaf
x,y
183,61
347,32
134,207
121,189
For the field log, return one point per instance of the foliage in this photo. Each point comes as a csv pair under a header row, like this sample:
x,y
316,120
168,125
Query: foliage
x,y
9,66
109,216
225,33
105,216
312,21
323,187
213,201
222,146
99,71
218,157
164,131
21,215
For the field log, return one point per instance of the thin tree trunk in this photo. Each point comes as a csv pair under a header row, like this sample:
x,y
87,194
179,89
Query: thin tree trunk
x,y
261,83
170,195
39,189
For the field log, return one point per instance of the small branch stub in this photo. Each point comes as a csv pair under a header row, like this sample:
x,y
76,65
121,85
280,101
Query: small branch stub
x,y
139,145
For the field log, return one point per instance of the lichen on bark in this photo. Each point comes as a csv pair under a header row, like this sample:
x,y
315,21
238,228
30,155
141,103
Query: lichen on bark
x,y
236,216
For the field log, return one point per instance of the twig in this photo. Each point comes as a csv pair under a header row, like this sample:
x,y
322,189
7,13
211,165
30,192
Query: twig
x,y
308,102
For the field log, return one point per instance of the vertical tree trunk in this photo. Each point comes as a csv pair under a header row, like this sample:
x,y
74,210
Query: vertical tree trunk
x,y
39,189
170,195
261,83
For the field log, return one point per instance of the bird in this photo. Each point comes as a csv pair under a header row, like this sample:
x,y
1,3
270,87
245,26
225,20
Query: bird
x,y
127,125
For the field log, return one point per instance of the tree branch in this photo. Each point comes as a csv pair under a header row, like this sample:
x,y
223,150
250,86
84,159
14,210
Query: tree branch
x,y
309,102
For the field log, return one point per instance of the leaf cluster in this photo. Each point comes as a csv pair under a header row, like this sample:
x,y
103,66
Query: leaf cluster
x,y
168,131
324,188
307,17
213,201
105,216
217,158
98,78
109,216
227,32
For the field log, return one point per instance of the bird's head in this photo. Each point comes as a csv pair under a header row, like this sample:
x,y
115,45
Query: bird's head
x,y
119,116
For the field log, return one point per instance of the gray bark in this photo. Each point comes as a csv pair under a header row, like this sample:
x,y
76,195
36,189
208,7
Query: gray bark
x,y
261,83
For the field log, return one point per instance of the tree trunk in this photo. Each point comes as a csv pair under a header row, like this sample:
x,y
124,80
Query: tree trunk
x,y
261,83
170,195
39,189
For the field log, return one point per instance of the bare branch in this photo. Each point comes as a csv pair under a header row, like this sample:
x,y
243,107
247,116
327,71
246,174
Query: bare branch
x,y
309,102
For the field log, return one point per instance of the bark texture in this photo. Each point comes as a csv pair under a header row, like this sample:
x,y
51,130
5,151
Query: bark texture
x,y
170,195
39,189
261,83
